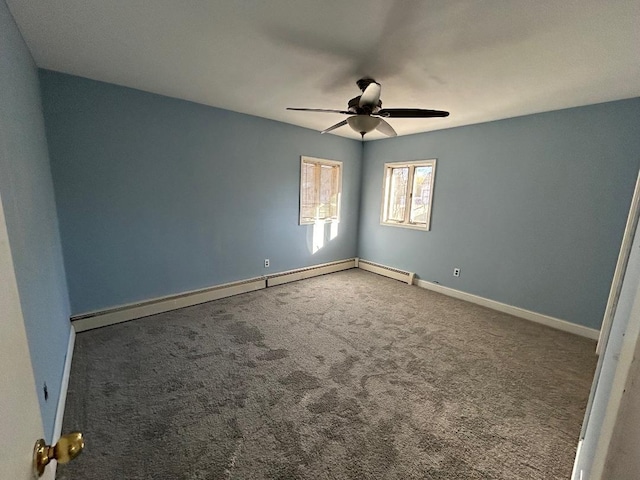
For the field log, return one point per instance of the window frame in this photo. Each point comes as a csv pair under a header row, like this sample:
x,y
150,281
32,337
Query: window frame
x,y
386,188
319,161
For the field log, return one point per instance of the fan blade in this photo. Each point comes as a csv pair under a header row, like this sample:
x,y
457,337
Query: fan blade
x,y
320,110
411,113
337,125
384,127
371,95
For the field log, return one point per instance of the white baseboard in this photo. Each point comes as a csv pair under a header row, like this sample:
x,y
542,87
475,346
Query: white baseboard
x,y
125,313
552,322
64,385
62,399
314,271
575,473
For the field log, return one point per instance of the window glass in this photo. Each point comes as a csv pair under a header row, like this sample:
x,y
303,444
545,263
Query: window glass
x,y
408,194
308,192
398,194
320,183
327,191
420,194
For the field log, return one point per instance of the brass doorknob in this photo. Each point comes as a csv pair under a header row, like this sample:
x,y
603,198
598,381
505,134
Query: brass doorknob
x,y
68,447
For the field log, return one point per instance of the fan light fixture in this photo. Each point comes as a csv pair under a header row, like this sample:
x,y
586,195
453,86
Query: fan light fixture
x,y
363,123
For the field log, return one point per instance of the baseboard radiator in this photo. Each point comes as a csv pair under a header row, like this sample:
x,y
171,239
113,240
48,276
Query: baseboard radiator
x,y
390,272
124,313
132,311
308,272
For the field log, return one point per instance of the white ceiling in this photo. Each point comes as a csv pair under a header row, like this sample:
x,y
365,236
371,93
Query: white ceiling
x,y
480,60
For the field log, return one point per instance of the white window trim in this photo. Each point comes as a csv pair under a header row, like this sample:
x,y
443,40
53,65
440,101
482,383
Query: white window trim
x,y
320,161
386,185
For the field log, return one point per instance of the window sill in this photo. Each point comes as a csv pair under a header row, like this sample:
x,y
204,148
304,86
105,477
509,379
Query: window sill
x,y
315,222
404,225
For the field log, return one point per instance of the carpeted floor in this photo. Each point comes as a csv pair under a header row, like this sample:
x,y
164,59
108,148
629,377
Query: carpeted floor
x,y
345,376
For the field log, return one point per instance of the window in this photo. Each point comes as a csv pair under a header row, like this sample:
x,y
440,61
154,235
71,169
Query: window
x,y
408,194
320,185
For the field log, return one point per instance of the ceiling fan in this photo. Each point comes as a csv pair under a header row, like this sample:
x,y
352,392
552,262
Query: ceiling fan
x,y
367,113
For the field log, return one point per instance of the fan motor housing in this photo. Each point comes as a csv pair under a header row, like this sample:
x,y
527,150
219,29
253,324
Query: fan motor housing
x,y
354,106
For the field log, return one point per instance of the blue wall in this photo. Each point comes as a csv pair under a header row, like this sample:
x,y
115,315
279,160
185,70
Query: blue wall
x,y
27,197
532,209
157,196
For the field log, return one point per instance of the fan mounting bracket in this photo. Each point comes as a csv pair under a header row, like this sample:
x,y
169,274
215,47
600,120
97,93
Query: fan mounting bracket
x,y
363,83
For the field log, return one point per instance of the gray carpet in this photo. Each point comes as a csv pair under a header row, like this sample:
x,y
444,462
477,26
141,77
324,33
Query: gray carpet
x,y
345,376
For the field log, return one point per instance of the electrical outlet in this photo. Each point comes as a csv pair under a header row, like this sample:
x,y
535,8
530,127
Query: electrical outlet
x,y
456,272
266,263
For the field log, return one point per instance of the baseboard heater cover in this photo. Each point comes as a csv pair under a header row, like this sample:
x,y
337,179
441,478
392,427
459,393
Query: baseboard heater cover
x,y
125,313
390,272
308,272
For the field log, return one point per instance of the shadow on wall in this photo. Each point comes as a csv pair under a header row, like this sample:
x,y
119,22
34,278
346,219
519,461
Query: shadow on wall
x,y
320,234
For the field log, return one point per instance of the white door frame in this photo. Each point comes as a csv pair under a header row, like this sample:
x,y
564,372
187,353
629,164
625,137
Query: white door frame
x,y
621,268
607,393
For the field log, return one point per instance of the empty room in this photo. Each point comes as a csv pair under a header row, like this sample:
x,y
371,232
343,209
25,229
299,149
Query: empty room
x,y
320,240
